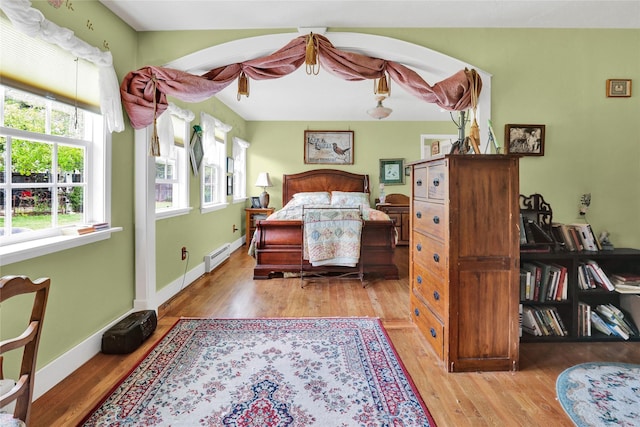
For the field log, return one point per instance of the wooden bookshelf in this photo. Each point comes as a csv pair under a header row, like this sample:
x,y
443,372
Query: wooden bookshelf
x,y
611,261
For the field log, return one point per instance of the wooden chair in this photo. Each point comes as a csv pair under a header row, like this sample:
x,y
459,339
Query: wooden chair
x,y
22,392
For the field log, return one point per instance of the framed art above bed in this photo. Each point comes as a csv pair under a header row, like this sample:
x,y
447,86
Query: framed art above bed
x,y
333,147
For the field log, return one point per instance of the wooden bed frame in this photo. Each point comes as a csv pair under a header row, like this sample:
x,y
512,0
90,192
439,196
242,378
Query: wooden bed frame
x,y
279,243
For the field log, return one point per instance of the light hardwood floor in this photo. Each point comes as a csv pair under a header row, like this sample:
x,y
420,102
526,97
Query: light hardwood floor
x,y
523,398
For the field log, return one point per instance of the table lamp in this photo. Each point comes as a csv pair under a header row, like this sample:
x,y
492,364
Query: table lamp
x,y
264,181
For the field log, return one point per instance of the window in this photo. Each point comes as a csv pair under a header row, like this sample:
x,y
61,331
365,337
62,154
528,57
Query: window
x,y
54,144
214,163
172,167
239,169
49,153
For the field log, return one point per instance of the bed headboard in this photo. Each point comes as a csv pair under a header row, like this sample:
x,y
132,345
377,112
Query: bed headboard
x,y
323,180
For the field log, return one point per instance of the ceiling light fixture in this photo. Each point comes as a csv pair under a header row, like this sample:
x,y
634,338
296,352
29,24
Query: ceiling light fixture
x,y
380,111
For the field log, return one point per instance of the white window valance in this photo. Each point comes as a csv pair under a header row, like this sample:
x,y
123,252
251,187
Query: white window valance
x,y
32,22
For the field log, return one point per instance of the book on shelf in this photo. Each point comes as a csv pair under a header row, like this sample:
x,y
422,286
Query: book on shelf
x,y
626,283
534,279
599,275
610,320
587,238
543,321
563,236
584,319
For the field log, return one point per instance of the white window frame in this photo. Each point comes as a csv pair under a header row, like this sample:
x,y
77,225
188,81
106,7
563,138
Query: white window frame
x,y
169,152
23,246
214,145
98,170
240,147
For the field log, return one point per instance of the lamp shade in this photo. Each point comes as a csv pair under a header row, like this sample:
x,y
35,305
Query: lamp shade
x,y
380,111
263,180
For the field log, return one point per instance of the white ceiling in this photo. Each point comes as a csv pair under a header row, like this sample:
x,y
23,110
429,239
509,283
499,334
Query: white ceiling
x,y
290,98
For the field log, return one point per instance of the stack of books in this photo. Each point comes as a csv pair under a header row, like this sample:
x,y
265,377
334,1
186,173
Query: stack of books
x,y
626,283
80,229
610,320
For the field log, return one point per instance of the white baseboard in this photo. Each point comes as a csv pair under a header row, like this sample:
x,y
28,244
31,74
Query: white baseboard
x,y
50,375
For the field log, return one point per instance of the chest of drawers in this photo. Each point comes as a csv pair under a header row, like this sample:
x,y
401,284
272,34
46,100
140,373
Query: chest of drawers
x,y
464,259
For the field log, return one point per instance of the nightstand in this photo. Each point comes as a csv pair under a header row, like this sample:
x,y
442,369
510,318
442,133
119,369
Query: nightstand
x,y
397,207
253,215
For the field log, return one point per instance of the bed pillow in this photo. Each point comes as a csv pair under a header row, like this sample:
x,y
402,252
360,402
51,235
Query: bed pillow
x,y
349,199
311,198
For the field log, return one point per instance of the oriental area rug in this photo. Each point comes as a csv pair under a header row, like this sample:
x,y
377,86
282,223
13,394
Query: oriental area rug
x,y
601,394
326,372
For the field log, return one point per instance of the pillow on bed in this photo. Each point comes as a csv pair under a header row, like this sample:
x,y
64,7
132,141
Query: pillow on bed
x,y
311,198
349,199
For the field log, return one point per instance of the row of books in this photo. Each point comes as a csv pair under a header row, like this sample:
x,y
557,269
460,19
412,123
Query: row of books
x,y
592,276
575,237
542,282
605,318
542,321
80,229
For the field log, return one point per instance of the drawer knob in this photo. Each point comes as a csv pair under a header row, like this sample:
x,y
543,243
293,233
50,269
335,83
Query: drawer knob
x,y
418,215
436,182
419,247
433,332
419,183
436,219
416,312
436,296
419,280
436,257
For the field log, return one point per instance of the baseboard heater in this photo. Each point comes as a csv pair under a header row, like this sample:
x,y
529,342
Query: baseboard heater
x,y
217,257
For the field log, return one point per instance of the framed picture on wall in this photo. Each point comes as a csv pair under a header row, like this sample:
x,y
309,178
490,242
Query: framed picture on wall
x,y
618,88
229,164
392,171
333,147
526,140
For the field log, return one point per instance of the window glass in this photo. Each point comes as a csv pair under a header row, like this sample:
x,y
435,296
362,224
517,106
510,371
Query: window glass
x,y
45,147
213,181
172,167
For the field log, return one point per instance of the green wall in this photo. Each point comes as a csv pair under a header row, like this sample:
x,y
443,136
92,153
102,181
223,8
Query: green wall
x,y
551,77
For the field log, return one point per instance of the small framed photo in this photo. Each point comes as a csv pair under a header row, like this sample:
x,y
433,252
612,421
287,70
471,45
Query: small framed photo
x,y
255,202
618,88
526,140
229,185
229,164
407,171
328,147
392,171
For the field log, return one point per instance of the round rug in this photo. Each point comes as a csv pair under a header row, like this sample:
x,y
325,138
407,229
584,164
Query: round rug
x,y
601,394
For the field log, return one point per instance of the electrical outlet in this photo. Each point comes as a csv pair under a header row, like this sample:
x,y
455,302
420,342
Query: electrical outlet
x,y
184,253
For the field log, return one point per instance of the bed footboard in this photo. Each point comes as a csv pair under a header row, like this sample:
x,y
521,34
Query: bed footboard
x,y
278,246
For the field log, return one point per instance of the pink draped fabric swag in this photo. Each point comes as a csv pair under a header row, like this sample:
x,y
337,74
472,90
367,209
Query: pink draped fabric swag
x,y
144,91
